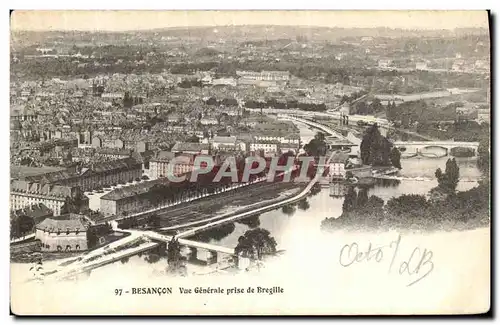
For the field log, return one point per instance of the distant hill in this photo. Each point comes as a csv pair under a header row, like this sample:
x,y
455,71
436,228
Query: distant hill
x,y
246,32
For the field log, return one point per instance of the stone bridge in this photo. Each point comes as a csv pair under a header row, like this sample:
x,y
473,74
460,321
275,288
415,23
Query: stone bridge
x,y
435,149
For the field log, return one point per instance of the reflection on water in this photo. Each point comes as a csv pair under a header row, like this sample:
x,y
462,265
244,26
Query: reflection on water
x,y
251,222
288,209
426,167
303,204
216,234
315,190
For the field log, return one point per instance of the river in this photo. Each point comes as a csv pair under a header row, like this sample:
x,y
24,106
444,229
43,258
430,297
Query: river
x,y
287,226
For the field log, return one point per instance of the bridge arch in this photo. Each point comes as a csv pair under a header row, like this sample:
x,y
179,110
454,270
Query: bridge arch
x,y
463,151
434,151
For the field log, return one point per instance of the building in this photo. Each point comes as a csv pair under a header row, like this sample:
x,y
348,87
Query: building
x,y
95,176
481,65
338,189
130,199
113,143
270,147
421,66
458,65
24,194
483,116
384,63
286,147
112,154
337,165
225,143
62,235
209,121
191,148
264,75
158,165
224,82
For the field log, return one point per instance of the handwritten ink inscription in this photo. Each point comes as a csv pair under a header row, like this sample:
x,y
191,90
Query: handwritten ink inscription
x,y
417,264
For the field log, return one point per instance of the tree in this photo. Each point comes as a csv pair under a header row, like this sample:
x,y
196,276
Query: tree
x,y
374,202
317,146
483,151
159,193
406,203
73,204
395,157
288,209
303,204
391,112
376,106
366,144
256,243
20,225
127,100
174,258
193,139
362,198
154,221
350,199
362,108
251,222
448,180
375,148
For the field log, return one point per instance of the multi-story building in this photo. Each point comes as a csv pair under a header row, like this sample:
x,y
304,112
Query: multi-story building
x,y
158,165
421,66
226,142
287,147
337,165
191,148
95,176
112,96
111,153
264,75
25,194
385,63
129,199
62,235
270,147
483,116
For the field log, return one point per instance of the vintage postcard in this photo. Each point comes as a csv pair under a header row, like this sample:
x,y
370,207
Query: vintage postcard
x,y
250,162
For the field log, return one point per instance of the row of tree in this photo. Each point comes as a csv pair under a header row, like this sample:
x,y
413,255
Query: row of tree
x,y
465,208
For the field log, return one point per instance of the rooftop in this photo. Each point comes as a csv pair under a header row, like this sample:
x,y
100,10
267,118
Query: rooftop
x,y
17,172
134,190
61,225
339,157
34,211
48,190
163,156
222,139
190,146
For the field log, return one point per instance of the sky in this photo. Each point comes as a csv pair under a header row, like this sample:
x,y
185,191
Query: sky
x,y
110,20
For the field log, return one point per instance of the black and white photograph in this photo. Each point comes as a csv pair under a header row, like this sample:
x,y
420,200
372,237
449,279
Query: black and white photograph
x,y
250,162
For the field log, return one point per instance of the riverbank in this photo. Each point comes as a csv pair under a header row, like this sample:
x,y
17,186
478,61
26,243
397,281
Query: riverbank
x,y
437,210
